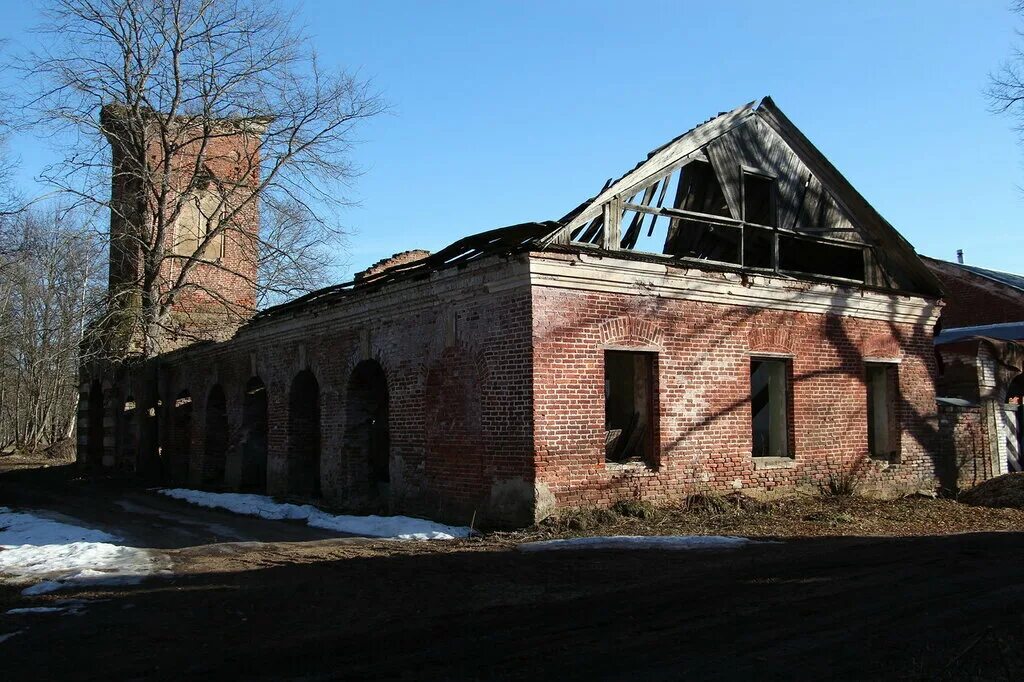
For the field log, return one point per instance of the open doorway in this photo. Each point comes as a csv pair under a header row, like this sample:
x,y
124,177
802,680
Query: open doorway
x,y
367,429
304,435
216,450
181,438
254,435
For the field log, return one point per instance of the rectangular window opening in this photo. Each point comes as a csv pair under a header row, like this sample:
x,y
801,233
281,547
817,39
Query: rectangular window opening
x,y
769,408
705,240
759,199
883,425
820,258
630,385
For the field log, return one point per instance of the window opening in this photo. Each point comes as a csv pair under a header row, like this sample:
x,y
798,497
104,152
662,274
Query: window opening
x,y
769,413
629,390
882,381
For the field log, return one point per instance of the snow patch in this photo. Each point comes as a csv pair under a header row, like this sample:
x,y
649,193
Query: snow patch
x,y
81,580
674,542
4,638
18,528
63,555
396,527
35,609
84,559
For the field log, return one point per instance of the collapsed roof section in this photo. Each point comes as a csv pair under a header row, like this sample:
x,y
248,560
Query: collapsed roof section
x,y
504,241
745,190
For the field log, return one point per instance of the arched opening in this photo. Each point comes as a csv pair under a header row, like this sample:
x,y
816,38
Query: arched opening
x,y
94,444
128,435
254,435
151,463
304,436
216,450
180,450
367,436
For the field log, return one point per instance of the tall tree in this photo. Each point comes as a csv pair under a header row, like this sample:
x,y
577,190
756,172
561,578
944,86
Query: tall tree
x,y
46,294
218,112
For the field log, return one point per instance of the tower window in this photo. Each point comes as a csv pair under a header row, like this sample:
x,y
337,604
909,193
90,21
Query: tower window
x,y
199,216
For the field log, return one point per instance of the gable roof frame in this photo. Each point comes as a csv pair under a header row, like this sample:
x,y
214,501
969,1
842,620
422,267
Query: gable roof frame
x,y
893,244
659,163
885,242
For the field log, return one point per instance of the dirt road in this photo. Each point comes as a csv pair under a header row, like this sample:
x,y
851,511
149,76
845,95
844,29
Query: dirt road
x,y
928,608
142,518
922,608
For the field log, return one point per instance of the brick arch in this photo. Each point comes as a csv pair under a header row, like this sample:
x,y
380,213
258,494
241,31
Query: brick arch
x,y
632,331
771,339
380,356
771,332
880,346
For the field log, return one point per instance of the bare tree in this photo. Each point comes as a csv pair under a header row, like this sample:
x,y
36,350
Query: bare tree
x,y
1006,86
217,111
46,294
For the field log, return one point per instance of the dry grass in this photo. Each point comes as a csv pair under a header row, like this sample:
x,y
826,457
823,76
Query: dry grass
x,y
1002,491
790,517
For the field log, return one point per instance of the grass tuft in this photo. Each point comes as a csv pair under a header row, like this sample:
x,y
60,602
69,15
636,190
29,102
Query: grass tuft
x,y
635,509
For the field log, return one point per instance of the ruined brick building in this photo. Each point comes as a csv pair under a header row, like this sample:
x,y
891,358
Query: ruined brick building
x,y
980,385
729,314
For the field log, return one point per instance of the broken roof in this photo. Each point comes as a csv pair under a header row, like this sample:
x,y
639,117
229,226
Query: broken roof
x,y
503,241
1005,278
884,242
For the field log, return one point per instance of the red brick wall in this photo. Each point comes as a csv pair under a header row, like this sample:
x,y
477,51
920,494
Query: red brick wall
x,y
459,383
972,300
704,353
495,386
453,424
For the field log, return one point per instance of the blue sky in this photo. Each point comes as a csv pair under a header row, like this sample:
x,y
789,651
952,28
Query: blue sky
x,y
510,112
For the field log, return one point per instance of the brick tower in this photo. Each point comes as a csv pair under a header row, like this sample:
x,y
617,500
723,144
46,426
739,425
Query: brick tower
x,y
184,225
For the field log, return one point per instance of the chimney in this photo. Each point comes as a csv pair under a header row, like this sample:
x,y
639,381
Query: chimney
x,y
960,256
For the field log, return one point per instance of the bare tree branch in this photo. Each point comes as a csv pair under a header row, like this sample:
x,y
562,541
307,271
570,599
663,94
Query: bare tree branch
x,y
217,111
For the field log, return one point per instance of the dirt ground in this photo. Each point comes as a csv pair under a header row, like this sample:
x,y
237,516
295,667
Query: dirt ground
x,y
876,595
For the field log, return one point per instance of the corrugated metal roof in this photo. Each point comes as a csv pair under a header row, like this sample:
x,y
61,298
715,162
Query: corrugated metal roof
x,y
1006,331
1007,278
